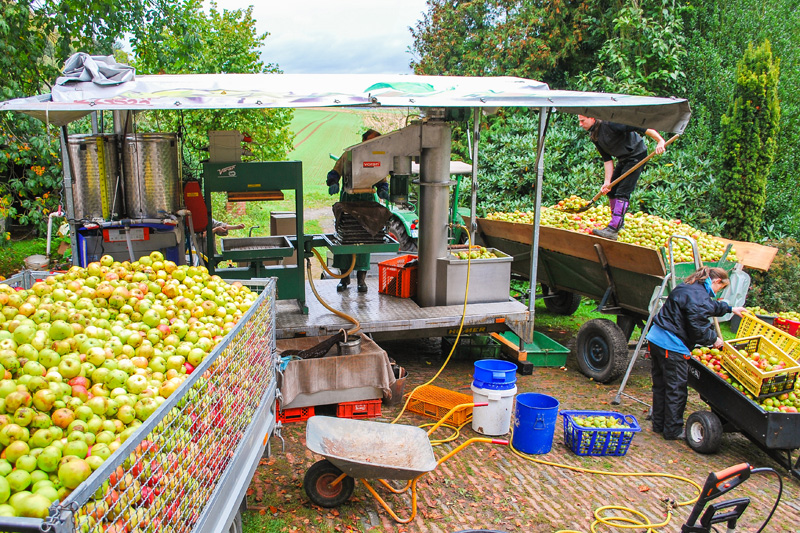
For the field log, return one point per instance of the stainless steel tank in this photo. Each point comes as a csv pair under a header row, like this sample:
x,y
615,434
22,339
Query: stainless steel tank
x,y
97,188
151,171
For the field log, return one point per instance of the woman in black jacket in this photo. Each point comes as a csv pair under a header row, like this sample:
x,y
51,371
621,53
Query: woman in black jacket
x,y
680,325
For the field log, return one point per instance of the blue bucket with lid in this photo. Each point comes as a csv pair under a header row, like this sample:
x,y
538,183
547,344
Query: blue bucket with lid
x,y
494,374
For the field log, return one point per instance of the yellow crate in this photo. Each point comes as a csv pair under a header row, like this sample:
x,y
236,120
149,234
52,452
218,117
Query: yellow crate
x,y
435,402
751,326
760,383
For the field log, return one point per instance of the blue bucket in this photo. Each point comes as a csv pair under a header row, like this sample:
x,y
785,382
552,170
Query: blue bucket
x,y
534,423
494,374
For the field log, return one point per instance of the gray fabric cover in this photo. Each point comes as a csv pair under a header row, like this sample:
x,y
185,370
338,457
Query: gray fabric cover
x,y
102,70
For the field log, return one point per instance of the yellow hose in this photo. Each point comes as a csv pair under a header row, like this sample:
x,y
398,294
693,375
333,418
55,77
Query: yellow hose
x,y
458,335
622,522
336,312
328,271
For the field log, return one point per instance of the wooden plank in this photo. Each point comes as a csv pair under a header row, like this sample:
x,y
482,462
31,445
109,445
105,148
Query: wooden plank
x,y
621,255
509,348
752,255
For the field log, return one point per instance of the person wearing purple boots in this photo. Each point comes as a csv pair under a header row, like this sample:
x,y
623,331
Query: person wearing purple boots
x,y
625,143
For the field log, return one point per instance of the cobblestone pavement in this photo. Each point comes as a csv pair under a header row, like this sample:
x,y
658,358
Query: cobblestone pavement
x,y
489,487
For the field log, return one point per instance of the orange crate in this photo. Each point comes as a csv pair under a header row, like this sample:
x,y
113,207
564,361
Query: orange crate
x,y
362,409
760,383
396,279
435,402
788,325
298,414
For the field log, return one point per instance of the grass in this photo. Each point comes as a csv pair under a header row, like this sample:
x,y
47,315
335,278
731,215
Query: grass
x,y
318,134
13,254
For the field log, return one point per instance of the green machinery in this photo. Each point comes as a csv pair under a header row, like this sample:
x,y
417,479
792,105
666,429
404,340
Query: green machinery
x,y
258,181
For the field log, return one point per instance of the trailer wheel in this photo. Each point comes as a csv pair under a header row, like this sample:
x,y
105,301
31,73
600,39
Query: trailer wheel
x,y
236,525
602,350
396,229
317,485
704,432
560,302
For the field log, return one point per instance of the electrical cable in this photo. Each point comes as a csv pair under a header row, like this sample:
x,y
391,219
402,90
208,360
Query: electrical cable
x,y
777,500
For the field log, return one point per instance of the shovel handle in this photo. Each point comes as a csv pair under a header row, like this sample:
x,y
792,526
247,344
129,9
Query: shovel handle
x,y
634,168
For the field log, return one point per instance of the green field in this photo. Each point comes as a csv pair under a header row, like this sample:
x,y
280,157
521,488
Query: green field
x,y
318,133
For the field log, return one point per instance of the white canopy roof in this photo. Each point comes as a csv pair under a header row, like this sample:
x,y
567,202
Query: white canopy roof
x,y
251,91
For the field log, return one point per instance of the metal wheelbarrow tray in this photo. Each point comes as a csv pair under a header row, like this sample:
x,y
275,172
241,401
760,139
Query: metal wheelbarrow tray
x,y
367,449
361,449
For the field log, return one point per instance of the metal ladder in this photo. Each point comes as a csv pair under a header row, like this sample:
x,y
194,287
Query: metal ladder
x,y
655,307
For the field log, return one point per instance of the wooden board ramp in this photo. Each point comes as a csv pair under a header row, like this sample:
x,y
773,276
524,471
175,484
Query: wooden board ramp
x,y
621,255
752,255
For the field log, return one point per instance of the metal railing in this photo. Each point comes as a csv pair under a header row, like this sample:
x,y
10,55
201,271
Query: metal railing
x,y
188,465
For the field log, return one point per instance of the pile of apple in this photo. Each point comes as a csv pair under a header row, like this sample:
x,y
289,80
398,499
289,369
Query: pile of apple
x,y
476,252
787,402
640,228
600,421
87,356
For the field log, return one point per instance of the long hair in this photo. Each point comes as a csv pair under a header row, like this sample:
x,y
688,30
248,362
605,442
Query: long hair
x,y
704,273
594,133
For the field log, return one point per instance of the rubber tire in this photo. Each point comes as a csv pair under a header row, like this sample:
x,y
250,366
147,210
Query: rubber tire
x,y
396,229
316,483
236,525
562,302
627,324
602,350
704,432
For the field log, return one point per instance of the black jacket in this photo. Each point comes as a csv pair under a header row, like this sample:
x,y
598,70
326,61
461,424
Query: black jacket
x,y
686,313
618,140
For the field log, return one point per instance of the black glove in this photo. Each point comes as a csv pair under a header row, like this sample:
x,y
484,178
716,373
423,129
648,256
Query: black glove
x,y
333,177
333,189
383,192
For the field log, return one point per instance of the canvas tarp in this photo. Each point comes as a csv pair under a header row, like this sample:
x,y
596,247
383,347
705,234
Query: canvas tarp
x,y
241,91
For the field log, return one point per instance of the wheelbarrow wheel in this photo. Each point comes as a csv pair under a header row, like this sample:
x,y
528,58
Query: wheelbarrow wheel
x,y
704,432
317,484
602,350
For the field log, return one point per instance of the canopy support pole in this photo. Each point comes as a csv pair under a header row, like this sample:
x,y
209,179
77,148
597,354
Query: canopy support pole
x,y
476,132
544,118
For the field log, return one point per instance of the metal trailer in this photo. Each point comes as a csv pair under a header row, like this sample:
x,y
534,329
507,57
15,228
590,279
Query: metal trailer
x,y
188,466
623,278
777,434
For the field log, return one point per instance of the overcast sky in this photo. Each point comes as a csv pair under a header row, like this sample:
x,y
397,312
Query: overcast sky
x,y
335,36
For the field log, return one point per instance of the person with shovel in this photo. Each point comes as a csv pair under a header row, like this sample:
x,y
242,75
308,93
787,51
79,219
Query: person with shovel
x,y
625,143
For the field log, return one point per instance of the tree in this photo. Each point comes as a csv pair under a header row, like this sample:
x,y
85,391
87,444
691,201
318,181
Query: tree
x,y
182,38
749,133
540,39
36,37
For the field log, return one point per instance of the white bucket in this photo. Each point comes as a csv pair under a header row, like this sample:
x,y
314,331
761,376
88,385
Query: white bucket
x,y
495,418
36,262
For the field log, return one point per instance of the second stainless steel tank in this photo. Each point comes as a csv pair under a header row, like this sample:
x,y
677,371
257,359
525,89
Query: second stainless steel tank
x,y
151,170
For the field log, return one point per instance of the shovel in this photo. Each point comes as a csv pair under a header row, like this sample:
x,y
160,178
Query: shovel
x,y
613,183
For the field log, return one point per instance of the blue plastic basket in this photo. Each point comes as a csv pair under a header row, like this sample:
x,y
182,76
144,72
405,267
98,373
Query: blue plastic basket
x,y
598,441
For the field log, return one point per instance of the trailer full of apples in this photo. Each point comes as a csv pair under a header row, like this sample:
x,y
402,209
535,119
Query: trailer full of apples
x,y
87,356
788,402
640,228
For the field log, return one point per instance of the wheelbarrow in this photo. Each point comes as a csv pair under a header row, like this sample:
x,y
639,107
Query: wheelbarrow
x,y
363,449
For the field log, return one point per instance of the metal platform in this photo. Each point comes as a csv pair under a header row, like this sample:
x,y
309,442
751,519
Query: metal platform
x,y
387,317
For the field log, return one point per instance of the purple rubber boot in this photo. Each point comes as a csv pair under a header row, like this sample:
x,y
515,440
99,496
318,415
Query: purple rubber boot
x,y
618,209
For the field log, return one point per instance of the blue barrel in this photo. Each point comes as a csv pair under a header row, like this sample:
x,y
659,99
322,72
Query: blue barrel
x,y
534,423
494,374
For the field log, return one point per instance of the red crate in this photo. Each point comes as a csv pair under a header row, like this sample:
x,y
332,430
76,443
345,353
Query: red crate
x,y
362,409
787,325
396,279
298,414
